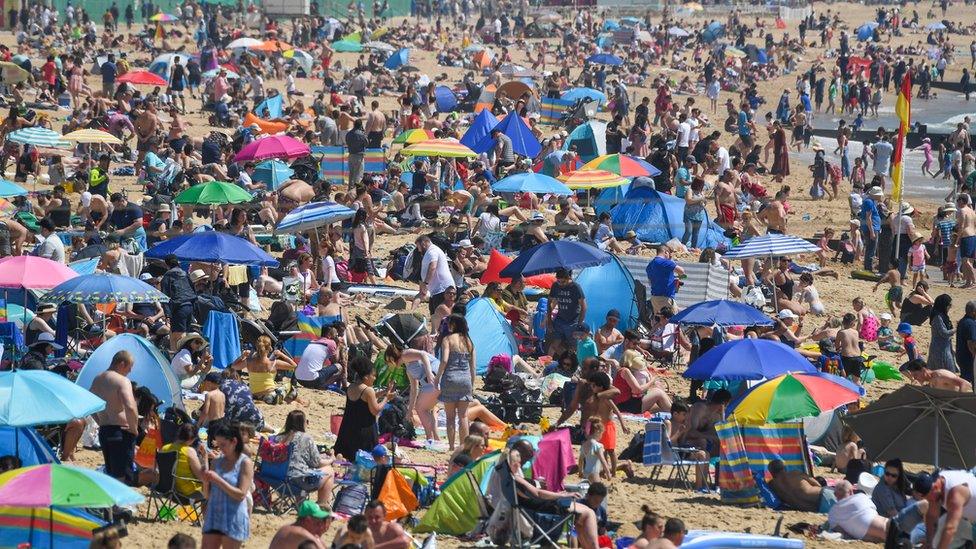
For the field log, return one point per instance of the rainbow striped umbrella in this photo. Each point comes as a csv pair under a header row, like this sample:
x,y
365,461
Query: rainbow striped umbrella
x,y
63,486
622,164
591,179
414,136
163,18
444,148
62,528
793,396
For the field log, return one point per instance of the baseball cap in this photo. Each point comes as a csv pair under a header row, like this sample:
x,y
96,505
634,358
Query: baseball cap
x,y
309,508
786,313
613,313
923,484
905,328
380,451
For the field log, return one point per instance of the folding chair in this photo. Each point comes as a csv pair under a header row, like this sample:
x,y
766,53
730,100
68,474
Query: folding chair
x,y
275,491
546,528
164,498
658,453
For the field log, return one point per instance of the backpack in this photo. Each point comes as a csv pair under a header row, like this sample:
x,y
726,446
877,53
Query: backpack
x,y
498,380
393,419
400,266
351,500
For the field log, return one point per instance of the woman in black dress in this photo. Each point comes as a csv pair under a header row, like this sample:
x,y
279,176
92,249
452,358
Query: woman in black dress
x,y
358,429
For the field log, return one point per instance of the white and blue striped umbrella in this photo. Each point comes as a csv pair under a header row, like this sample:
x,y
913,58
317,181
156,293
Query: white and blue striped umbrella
x,y
313,215
771,245
39,137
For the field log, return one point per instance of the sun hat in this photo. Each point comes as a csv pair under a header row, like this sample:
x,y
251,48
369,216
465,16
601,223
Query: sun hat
x,y
907,209
876,191
197,275
905,328
786,313
537,216
46,308
866,482
192,336
47,339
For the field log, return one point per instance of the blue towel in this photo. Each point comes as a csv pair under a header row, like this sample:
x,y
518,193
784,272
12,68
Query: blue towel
x,y
225,338
65,311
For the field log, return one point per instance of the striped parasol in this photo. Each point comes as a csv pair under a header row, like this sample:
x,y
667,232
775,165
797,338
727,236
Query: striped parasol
x,y
314,215
92,136
414,136
163,18
39,137
591,179
622,164
444,148
771,245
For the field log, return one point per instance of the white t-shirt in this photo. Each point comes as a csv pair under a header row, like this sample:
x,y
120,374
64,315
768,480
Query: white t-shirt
x,y
312,361
51,248
853,515
957,478
488,223
693,137
684,134
724,163
329,268
181,363
442,279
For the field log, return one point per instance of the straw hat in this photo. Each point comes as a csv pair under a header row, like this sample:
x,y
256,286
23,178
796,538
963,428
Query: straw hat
x,y
629,235
192,336
197,275
46,308
163,208
907,209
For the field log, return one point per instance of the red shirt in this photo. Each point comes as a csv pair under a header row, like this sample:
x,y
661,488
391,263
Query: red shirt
x,y
49,71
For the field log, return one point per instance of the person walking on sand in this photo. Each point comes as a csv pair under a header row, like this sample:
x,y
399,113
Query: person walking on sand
x,y
966,239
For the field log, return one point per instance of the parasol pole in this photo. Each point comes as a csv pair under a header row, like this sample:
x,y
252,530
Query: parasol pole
x,y
936,434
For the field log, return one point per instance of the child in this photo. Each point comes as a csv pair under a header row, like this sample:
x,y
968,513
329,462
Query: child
x,y
819,169
857,174
593,464
917,255
824,245
895,293
909,349
926,148
585,346
830,360
849,451
867,321
858,122
886,337
356,532
604,408
857,242
951,265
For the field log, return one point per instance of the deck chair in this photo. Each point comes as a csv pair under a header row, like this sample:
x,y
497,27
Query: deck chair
x,y
658,453
525,527
164,502
275,491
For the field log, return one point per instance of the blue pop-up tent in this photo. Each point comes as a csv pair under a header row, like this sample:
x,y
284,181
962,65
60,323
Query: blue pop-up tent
x,y
590,140
610,197
523,141
490,332
398,59
445,99
150,368
479,128
272,107
713,32
659,217
26,444
608,286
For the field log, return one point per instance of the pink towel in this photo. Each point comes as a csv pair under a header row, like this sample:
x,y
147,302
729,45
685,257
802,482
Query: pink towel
x,y
554,459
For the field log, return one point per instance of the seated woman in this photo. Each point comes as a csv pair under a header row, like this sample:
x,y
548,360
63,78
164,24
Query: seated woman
x,y
891,495
307,469
262,366
190,465
849,451
42,322
639,391
192,361
810,297
666,337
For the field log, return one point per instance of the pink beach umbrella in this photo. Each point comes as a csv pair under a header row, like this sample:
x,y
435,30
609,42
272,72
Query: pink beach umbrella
x,y
273,146
27,271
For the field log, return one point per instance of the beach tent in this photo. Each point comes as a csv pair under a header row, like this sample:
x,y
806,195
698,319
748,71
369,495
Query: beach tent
x,y
27,444
445,99
486,98
658,217
866,31
50,528
745,452
272,107
398,59
455,511
150,369
590,140
608,286
162,65
490,332
610,197
523,141
713,32
481,127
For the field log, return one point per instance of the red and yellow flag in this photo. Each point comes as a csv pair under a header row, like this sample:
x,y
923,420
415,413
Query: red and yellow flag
x,y
160,35
903,110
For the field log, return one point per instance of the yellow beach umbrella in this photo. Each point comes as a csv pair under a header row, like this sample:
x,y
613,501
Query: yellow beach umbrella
x,y
443,148
93,136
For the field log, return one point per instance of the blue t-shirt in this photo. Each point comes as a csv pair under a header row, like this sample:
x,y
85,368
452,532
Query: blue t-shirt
x,y
108,72
152,160
743,124
870,210
660,272
123,217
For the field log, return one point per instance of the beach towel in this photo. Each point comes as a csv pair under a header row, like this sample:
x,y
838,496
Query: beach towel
x,y
747,450
225,338
236,275
555,458
313,324
551,110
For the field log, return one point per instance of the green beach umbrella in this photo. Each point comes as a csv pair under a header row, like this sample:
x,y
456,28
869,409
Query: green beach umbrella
x,y
215,192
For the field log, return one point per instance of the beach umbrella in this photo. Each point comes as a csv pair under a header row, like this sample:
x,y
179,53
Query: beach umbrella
x,y
678,32
9,188
554,255
38,397
511,70
19,315
693,6
440,148
865,31
229,74
272,173
104,288
575,94
244,43
47,529
790,397
53,485
273,146
473,48
379,46
27,271
531,182
163,18
920,424
748,358
722,312
92,136
417,135
301,58
622,164
142,78
591,179
398,59
272,46
771,245
11,73
313,215
214,192
605,59
213,247
345,46
936,26
39,137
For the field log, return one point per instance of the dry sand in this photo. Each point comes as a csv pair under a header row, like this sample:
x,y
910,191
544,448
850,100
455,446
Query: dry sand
x,y
626,498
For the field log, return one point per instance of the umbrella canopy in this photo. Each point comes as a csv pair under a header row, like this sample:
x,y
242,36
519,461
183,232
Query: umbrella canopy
x,y
345,46
272,45
244,43
591,179
214,192
398,59
748,358
552,256
379,46
722,312
417,135
313,215
403,327
142,78
531,182
92,136
104,288
27,271
622,164
63,486
574,94
272,173
9,188
39,137
38,397
303,59
936,26
213,247
605,59
511,70
229,74
920,425
11,73
274,146
163,18
790,397
771,245
678,31
445,148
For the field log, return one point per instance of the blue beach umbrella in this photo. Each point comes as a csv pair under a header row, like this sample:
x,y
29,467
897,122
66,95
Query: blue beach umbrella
x,y
313,215
213,247
9,189
104,288
574,94
605,59
272,173
722,312
552,256
531,182
38,397
748,359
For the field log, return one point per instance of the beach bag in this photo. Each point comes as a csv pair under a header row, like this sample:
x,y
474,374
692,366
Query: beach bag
x,y
342,270
869,327
351,500
394,420
816,191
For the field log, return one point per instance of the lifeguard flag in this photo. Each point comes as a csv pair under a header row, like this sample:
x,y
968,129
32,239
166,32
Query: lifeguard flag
x,y
903,110
160,35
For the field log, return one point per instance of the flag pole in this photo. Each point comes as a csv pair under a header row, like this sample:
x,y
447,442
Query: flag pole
x,y
903,109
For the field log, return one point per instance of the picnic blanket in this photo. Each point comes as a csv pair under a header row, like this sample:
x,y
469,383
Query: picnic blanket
x,y
747,450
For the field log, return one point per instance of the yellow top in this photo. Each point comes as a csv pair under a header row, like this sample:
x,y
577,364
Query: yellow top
x,y
184,486
261,382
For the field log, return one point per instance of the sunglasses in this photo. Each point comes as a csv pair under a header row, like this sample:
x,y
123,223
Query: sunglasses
x,y
890,474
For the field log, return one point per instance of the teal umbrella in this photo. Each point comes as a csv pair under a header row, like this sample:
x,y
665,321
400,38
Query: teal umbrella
x,y
9,188
38,397
272,173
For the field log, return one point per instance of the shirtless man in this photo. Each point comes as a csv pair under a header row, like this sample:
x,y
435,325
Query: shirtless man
x,y
938,379
774,215
147,125
214,400
702,419
375,125
118,423
848,344
386,534
796,489
674,535
966,238
18,235
584,391
312,522
725,200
